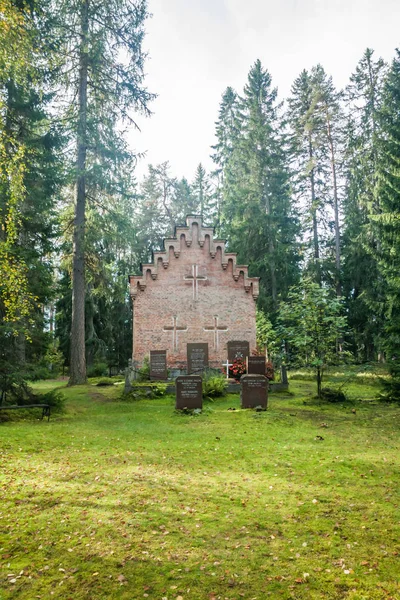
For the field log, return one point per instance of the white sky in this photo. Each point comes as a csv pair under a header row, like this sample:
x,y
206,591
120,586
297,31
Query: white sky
x,y
199,47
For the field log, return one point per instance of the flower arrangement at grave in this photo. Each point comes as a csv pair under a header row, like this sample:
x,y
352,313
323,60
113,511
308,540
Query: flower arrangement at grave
x,y
269,371
238,368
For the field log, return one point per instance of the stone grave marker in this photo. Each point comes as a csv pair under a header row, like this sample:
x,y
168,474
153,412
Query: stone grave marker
x,y
238,349
158,365
197,358
256,365
253,391
189,392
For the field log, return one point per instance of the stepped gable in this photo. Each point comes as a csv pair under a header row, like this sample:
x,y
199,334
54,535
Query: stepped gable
x,y
161,260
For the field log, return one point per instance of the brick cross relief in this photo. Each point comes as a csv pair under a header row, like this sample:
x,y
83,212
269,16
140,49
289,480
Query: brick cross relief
x,y
216,329
175,329
195,278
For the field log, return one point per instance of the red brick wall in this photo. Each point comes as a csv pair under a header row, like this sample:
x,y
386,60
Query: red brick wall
x,y
162,293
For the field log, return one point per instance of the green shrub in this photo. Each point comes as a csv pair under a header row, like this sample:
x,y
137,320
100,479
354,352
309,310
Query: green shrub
x,y
104,381
37,373
391,390
214,384
333,395
147,391
144,371
54,359
55,399
97,370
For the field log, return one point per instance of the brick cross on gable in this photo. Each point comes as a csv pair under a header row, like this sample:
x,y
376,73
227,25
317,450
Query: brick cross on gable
x,y
195,278
216,329
175,328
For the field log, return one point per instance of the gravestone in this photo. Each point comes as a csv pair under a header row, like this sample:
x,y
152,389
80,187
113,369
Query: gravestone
x,y
197,358
189,392
256,365
238,350
253,391
158,365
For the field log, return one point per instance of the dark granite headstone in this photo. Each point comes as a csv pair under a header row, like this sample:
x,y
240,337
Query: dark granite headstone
x,y
253,391
238,350
189,392
284,377
256,365
197,358
158,365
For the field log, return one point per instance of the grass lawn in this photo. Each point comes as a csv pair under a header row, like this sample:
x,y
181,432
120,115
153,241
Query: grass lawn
x,y
130,500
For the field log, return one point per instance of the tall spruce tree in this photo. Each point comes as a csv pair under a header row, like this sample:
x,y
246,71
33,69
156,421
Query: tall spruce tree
x,y
385,223
363,283
203,196
227,129
104,80
257,216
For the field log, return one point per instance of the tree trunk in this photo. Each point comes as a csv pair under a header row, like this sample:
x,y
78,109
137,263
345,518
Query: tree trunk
x,y
90,335
314,215
319,382
78,361
335,207
284,377
271,250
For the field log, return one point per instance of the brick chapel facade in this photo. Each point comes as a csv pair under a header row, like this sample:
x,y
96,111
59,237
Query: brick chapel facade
x,y
192,292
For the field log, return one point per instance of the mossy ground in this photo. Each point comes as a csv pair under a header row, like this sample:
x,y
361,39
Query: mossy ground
x,y
131,500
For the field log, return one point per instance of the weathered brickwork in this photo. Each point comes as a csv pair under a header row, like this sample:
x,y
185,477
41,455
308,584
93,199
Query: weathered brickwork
x,y
193,292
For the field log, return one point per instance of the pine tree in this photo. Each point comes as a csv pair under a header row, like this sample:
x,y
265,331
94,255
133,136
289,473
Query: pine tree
x,y
309,169
327,109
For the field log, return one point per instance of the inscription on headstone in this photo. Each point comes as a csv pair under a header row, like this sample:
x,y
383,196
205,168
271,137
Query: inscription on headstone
x,y
256,365
238,350
158,365
197,358
189,392
253,391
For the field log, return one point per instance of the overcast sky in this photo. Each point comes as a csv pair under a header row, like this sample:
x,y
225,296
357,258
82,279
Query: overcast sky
x,y
199,47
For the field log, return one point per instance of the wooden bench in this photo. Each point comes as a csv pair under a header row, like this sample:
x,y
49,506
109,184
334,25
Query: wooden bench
x,y
45,408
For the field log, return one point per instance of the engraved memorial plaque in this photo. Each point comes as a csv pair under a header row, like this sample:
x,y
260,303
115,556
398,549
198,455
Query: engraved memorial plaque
x,y
189,392
256,365
158,365
253,391
197,358
238,350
